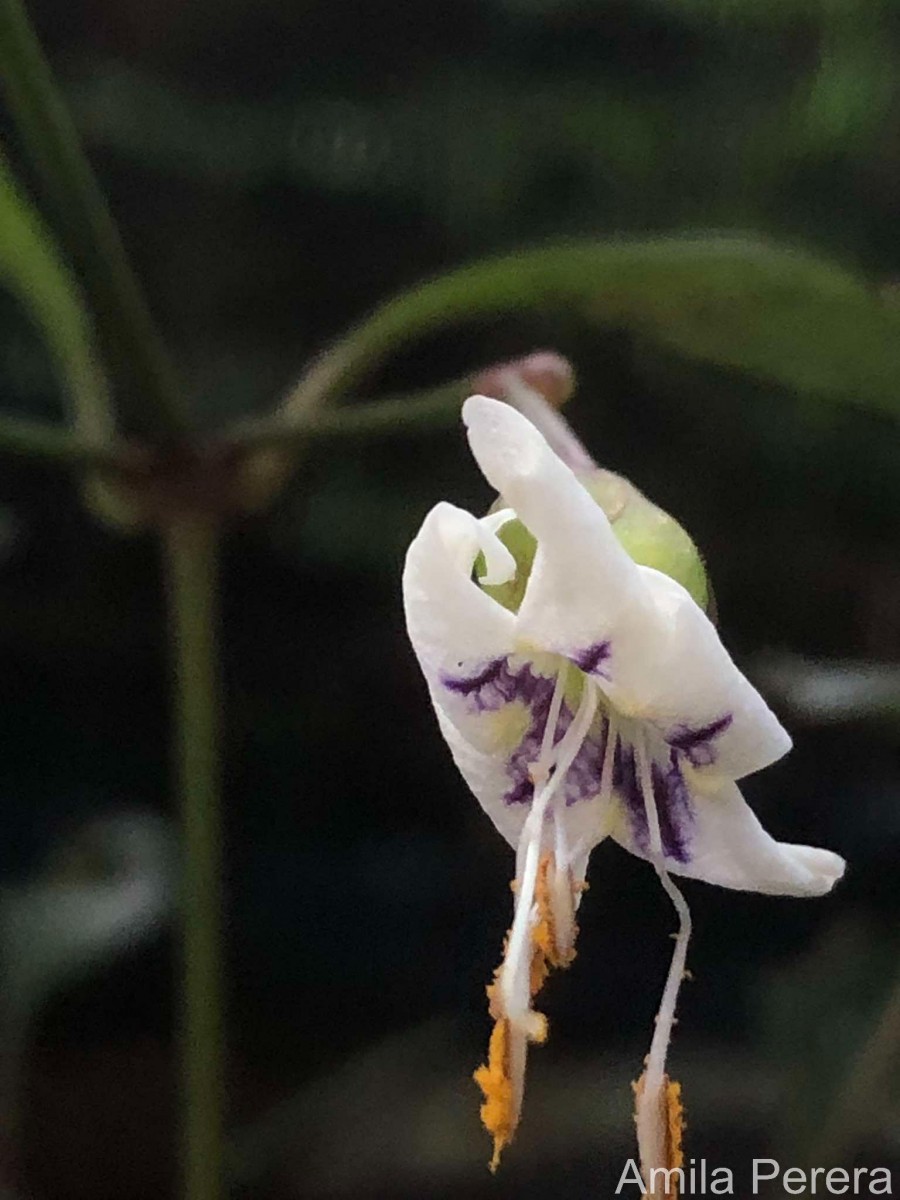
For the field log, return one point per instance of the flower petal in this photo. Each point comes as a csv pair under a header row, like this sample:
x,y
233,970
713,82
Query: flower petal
x,y
585,580
449,618
697,699
715,836
486,702
636,631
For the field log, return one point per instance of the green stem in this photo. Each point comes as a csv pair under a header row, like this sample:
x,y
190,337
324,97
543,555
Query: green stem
x,y
52,443
192,558
815,329
430,408
129,334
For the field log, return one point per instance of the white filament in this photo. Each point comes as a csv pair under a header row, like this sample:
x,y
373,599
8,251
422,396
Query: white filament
x,y
651,1116
515,981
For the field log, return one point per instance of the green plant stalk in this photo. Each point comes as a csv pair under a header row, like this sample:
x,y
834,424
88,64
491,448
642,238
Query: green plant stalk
x,y
128,332
428,408
191,544
780,314
52,443
33,269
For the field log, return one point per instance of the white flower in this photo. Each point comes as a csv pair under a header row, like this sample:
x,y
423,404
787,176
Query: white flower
x,y
605,705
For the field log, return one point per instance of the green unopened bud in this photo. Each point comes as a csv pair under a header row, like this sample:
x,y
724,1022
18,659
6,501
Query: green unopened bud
x,y
648,534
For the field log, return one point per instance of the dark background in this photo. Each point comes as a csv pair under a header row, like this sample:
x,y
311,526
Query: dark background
x,y
277,168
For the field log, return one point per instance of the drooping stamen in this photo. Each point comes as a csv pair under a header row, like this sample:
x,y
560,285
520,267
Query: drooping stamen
x,y
609,757
566,882
515,972
502,1082
530,949
652,1119
663,1182
541,767
539,770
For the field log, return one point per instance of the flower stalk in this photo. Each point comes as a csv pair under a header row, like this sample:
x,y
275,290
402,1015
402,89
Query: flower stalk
x,y
191,547
52,443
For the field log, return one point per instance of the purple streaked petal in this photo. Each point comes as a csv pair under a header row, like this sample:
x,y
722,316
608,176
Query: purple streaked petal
x,y
583,777
670,793
582,781
518,766
729,847
593,659
466,685
496,683
491,687
697,745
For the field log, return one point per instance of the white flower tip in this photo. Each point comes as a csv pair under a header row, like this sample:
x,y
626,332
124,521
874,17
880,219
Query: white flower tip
x,y
505,444
479,408
825,869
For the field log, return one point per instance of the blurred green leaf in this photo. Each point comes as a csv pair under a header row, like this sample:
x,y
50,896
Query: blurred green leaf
x,y
84,224
771,13
821,1019
32,269
849,97
782,315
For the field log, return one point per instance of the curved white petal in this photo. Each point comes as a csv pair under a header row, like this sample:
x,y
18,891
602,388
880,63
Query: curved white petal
x,y
696,697
463,640
638,633
724,843
449,618
582,580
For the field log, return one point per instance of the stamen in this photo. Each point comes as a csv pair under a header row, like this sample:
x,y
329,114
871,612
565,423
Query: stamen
x,y
609,757
514,976
652,1124
502,1079
671,1119
536,942
540,768
554,929
566,855
500,1110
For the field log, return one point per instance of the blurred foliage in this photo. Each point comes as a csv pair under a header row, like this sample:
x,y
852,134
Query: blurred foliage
x,y
787,317
817,1016
33,270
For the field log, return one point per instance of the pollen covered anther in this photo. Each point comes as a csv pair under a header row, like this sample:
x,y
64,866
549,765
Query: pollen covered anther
x,y
501,1079
671,1127
499,1112
554,900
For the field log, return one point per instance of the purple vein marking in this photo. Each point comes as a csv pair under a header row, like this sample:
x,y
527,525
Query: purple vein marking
x,y
465,685
495,685
593,659
671,796
697,744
